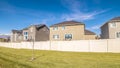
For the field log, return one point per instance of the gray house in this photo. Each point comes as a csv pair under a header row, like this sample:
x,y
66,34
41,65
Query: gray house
x,y
111,29
34,32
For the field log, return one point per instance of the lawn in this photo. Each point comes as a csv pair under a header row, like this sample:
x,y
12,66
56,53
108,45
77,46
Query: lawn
x,y
20,58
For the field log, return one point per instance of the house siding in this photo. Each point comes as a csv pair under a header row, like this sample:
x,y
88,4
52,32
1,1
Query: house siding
x,y
77,31
105,31
35,33
42,34
112,31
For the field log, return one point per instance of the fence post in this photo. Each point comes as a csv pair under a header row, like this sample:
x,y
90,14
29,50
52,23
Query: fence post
x,y
89,46
50,45
107,45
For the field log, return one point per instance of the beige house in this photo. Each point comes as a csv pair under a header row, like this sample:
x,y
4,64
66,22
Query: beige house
x,y
70,30
34,32
111,29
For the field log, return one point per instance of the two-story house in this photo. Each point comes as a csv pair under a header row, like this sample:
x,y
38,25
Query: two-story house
x,y
16,36
70,30
111,29
34,32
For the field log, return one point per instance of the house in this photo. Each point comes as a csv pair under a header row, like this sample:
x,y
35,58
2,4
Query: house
x,y
4,38
16,36
34,32
111,29
70,30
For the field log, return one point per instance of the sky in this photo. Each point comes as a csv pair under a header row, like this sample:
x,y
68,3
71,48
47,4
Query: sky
x,y
18,14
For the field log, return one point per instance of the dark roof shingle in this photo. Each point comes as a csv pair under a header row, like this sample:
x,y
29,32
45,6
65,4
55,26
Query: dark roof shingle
x,y
36,26
113,20
116,18
87,32
17,31
68,23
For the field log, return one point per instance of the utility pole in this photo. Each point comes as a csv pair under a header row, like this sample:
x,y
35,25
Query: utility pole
x,y
33,43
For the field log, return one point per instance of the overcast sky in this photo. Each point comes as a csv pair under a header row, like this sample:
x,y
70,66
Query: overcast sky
x,y
18,14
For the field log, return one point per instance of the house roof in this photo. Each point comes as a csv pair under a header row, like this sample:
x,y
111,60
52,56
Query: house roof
x,y
36,26
17,31
113,20
116,18
87,32
68,23
40,25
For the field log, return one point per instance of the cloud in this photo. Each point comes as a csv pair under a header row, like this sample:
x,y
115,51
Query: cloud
x,y
82,16
72,5
95,27
75,6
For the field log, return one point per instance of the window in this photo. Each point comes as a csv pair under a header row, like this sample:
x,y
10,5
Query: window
x,y
25,35
55,28
55,36
113,24
68,36
118,34
63,27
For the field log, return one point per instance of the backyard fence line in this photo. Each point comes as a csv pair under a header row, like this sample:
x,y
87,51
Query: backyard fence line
x,y
104,45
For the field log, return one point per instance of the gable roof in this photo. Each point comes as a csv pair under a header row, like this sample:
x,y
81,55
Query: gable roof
x,y
36,26
116,18
17,31
87,32
68,23
113,20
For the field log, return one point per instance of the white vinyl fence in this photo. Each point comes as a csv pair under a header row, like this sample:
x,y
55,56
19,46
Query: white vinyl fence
x,y
107,45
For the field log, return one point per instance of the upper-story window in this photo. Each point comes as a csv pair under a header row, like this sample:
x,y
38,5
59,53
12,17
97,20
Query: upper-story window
x,y
113,25
68,36
118,35
55,28
25,33
63,27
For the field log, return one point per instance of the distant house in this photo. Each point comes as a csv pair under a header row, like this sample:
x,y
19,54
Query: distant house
x,y
4,38
34,32
70,30
111,29
16,36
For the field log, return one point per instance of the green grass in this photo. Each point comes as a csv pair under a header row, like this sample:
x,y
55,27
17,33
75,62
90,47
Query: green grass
x,y
20,58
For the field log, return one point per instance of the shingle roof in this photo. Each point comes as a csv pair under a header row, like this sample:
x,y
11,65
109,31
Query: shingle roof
x,y
87,32
37,26
113,20
40,25
116,18
17,31
68,23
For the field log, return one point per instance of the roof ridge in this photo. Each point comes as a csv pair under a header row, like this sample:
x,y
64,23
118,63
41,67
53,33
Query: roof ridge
x,y
66,23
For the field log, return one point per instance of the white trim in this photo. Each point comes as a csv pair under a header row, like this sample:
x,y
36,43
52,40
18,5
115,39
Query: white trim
x,y
56,36
63,27
55,27
112,25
